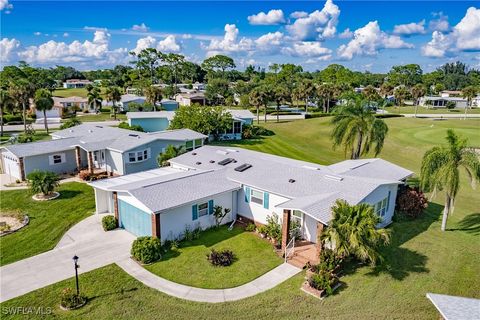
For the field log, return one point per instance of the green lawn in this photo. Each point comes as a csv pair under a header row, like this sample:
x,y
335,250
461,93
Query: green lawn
x,y
49,220
79,92
104,116
420,258
423,110
39,135
190,266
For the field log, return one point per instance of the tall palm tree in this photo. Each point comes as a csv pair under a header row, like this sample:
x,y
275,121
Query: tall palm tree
x,y
441,170
357,129
326,92
400,93
386,89
352,231
21,91
370,93
303,91
153,95
94,97
281,94
43,102
258,98
6,102
417,91
114,95
469,93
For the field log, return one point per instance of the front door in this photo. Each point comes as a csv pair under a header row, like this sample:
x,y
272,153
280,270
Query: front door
x,y
99,158
296,221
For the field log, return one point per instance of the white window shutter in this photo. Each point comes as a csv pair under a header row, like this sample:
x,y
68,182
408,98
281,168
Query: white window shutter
x,y
63,157
50,160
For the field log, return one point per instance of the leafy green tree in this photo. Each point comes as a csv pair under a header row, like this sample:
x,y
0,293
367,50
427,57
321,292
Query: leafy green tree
x,y
218,63
353,232
406,75
280,95
217,91
207,120
441,170
153,95
43,182
147,62
114,95
174,62
43,102
258,98
417,92
6,102
94,97
304,91
21,91
469,93
370,94
74,121
357,129
219,213
401,94
170,152
326,92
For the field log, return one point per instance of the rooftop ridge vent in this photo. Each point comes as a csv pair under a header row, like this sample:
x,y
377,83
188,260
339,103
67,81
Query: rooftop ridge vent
x,y
232,150
358,166
333,177
222,152
226,161
243,167
310,168
132,135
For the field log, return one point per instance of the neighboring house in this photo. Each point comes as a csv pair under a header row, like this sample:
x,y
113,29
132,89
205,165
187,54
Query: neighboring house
x,y
76,83
476,102
160,120
130,98
450,93
62,107
455,308
441,102
164,202
135,91
169,105
95,147
189,98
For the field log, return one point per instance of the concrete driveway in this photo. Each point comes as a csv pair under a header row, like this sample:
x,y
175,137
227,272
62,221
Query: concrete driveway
x,y
94,247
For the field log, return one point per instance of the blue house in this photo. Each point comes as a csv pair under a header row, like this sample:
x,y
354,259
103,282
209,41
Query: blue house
x,y
169,105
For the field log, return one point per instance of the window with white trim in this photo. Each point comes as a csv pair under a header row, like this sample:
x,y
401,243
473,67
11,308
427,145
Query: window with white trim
x,y
203,209
57,159
139,156
256,196
381,207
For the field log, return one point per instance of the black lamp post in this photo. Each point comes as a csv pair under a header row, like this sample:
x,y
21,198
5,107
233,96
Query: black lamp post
x,y
75,259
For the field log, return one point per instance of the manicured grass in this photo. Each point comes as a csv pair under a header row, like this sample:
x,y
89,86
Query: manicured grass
x,y
420,258
189,265
424,110
49,220
104,116
79,92
39,135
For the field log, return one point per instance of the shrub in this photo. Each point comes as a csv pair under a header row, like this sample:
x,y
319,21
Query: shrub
x,y
12,118
146,249
109,223
250,227
70,300
190,235
450,105
262,229
85,175
252,131
411,202
322,281
222,258
388,115
24,138
316,115
273,228
125,125
70,123
329,262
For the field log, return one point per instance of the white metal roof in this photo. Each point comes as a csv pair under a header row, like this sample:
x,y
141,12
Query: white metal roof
x,y
455,308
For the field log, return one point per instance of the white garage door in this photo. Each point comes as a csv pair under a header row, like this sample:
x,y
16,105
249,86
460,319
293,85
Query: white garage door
x,y
11,166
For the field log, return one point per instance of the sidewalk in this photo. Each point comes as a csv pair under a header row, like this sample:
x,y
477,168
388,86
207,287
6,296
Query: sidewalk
x,y
263,283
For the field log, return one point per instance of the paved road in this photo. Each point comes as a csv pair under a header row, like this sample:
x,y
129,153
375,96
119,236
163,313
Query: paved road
x,y
265,282
95,248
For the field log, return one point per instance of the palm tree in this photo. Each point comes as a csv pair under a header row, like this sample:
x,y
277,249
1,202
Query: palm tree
x,y
441,170
258,98
21,91
281,94
417,91
5,103
94,97
469,93
352,231
400,93
303,91
357,129
114,95
386,89
42,182
153,95
43,102
326,92
370,93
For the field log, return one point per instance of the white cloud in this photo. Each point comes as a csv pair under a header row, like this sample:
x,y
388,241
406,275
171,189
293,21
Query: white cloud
x,y
439,24
298,14
306,49
368,40
93,52
37,33
410,28
463,37
5,5
271,18
269,42
8,49
317,25
140,27
346,34
229,43
318,59
169,44
144,43
66,34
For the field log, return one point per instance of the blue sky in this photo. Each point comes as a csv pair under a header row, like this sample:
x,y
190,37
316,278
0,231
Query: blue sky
x,y
361,35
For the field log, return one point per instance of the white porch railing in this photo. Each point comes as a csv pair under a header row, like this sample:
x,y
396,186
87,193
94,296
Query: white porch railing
x,y
290,248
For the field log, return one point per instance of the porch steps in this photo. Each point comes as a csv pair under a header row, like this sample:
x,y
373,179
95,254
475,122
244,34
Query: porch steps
x,y
298,261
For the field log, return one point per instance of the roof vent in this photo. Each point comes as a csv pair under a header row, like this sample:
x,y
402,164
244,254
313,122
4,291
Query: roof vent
x,y
194,153
133,135
90,130
234,161
243,167
332,177
198,163
291,180
311,168
212,161
226,161
232,150
99,126
70,130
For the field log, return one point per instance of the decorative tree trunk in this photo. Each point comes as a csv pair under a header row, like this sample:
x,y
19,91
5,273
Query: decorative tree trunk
x,y
258,115
446,211
24,111
45,120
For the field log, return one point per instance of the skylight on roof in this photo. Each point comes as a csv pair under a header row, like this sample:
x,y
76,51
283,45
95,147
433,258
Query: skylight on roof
x,y
243,167
225,161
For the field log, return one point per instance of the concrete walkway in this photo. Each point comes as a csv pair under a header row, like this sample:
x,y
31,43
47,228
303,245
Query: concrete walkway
x,y
265,282
95,248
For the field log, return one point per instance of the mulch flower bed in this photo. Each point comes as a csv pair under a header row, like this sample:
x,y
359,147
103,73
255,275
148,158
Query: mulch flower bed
x,y
14,222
